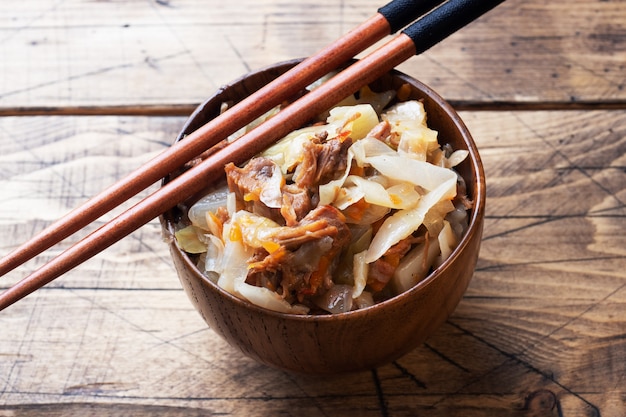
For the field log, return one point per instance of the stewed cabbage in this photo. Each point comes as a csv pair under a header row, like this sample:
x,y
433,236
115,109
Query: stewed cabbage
x,y
335,216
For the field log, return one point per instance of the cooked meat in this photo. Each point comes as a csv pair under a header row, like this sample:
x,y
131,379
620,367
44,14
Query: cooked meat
x,y
379,273
305,260
381,131
260,188
264,269
381,270
296,204
322,162
251,182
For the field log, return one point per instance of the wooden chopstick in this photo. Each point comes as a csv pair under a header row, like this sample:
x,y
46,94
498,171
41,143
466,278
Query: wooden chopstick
x,y
418,37
389,19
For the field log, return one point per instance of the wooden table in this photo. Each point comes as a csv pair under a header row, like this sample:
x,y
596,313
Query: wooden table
x,y
90,89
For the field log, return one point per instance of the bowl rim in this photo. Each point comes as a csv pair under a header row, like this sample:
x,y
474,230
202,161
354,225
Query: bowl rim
x,y
474,225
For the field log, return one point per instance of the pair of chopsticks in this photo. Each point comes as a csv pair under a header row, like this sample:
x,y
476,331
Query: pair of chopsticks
x,y
436,22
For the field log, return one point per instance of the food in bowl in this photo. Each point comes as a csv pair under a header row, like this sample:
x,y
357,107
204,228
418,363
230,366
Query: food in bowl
x,y
360,339
336,216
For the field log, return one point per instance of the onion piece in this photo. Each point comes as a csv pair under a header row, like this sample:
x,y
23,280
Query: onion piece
x,y
364,300
266,298
415,265
447,241
213,261
456,158
338,299
359,271
211,202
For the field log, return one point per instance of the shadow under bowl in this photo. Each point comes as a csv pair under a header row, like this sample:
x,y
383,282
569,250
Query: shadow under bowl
x,y
360,339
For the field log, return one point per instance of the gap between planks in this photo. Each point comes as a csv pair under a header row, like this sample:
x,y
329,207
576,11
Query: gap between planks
x,y
187,109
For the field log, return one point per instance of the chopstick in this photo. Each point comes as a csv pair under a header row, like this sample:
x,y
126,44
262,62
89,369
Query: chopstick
x,y
417,38
389,19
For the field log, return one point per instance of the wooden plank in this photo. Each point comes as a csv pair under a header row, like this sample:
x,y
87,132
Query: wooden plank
x,y
177,52
539,333
50,165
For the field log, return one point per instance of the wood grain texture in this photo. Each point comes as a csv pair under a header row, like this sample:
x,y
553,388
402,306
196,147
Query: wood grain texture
x,y
539,333
176,52
50,165
541,329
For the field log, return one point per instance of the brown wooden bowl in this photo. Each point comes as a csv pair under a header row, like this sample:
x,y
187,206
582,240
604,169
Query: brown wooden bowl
x,y
357,340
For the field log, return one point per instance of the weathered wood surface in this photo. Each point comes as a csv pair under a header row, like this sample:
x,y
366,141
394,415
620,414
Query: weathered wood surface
x,y
81,53
542,324
541,330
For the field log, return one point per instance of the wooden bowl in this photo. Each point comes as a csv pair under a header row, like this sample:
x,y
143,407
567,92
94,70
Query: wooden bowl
x,y
361,339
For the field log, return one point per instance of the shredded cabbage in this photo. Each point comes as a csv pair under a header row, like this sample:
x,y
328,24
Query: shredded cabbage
x,y
397,189
404,222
